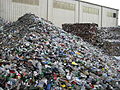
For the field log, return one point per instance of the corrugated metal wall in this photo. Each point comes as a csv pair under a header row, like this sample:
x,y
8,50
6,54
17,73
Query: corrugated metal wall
x,y
109,17
12,9
60,11
89,13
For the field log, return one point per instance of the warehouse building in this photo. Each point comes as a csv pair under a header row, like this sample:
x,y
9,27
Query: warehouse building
x,y
61,11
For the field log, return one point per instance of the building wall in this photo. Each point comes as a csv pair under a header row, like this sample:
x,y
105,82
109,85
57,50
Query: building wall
x,y
89,13
108,19
12,9
62,11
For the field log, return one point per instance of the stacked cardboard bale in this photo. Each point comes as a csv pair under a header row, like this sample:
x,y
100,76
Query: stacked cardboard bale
x,y
109,39
112,47
85,30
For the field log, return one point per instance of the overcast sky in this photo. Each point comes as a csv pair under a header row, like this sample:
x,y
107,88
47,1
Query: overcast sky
x,y
109,3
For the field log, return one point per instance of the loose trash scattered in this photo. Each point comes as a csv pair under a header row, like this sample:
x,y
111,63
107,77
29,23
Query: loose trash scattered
x,y
36,55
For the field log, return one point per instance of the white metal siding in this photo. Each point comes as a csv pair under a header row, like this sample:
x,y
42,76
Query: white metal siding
x,y
90,16
108,21
12,10
63,14
58,14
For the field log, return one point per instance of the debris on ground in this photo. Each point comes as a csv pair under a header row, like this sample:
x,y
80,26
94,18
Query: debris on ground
x,y
3,22
107,39
35,54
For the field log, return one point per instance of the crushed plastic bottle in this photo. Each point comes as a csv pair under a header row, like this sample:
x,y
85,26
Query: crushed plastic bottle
x,y
39,55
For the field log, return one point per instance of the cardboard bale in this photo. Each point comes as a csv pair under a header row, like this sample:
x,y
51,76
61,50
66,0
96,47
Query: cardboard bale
x,y
87,31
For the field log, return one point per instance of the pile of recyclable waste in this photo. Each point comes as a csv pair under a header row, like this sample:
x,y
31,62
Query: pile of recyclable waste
x,y
109,33
36,55
3,22
109,40
106,38
87,31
